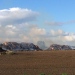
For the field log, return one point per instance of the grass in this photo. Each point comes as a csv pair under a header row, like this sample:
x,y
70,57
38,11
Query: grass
x,y
37,62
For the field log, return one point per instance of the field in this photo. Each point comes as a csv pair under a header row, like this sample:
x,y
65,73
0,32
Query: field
x,y
37,62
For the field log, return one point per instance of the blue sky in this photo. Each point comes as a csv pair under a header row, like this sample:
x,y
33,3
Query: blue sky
x,y
54,20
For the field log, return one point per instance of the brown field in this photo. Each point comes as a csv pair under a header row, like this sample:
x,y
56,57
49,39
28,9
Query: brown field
x,y
37,62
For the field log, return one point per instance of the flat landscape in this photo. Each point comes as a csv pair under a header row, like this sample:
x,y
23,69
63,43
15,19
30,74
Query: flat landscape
x,y
37,62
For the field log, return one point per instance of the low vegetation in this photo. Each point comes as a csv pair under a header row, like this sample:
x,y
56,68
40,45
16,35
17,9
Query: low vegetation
x,y
8,52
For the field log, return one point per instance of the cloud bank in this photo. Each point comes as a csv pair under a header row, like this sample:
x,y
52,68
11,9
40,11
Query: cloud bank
x,y
16,25
16,16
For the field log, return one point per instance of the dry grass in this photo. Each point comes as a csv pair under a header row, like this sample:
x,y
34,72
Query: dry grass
x,y
34,63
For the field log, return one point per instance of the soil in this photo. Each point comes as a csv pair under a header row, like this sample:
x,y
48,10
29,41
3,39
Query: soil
x,y
37,62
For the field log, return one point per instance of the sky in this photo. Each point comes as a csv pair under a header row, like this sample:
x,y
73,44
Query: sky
x,y
51,21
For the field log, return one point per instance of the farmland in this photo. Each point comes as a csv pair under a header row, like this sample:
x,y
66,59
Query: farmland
x,y
37,62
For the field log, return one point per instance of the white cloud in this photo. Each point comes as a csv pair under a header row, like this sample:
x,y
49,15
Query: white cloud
x,y
59,37
34,34
11,26
15,24
70,37
17,15
37,31
56,32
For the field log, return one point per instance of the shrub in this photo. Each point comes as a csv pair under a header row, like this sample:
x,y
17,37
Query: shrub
x,y
64,73
10,52
42,74
25,74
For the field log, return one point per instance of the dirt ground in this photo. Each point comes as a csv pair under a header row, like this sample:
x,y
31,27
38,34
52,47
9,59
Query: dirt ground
x,y
37,62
